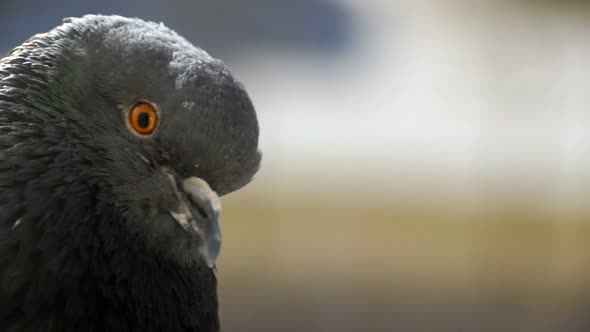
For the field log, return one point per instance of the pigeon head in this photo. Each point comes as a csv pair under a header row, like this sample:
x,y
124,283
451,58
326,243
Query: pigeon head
x,y
156,127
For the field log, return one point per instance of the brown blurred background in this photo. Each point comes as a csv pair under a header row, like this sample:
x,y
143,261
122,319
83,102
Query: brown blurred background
x,y
426,163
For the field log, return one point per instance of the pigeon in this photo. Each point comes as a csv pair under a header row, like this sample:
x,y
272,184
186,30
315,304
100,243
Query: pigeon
x,y
117,139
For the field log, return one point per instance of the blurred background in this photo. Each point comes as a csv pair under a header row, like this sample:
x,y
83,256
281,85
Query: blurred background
x,y
426,163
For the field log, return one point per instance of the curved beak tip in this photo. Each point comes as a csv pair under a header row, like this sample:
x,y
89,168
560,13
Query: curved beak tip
x,y
212,249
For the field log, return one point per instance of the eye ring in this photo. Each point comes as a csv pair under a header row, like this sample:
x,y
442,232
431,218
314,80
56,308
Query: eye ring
x,y
142,119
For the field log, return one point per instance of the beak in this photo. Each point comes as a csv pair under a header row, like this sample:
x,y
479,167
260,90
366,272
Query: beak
x,y
198,214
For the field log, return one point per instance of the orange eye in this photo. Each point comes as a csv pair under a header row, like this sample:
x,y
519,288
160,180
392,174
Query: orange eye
x,y
143,118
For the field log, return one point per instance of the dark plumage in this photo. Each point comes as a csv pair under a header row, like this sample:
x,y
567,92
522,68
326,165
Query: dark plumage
x,y
102,228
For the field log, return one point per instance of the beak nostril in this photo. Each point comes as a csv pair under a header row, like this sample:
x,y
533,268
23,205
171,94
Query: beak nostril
x,y
202,212
202,197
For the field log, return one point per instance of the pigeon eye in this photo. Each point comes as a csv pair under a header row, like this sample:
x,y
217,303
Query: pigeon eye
x,y
143,118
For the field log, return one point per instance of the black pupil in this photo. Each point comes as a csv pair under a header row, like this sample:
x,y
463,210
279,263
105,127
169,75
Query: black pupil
x,y
143,120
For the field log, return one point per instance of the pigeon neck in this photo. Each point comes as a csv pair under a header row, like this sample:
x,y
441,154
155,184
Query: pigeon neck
x,y
147,288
